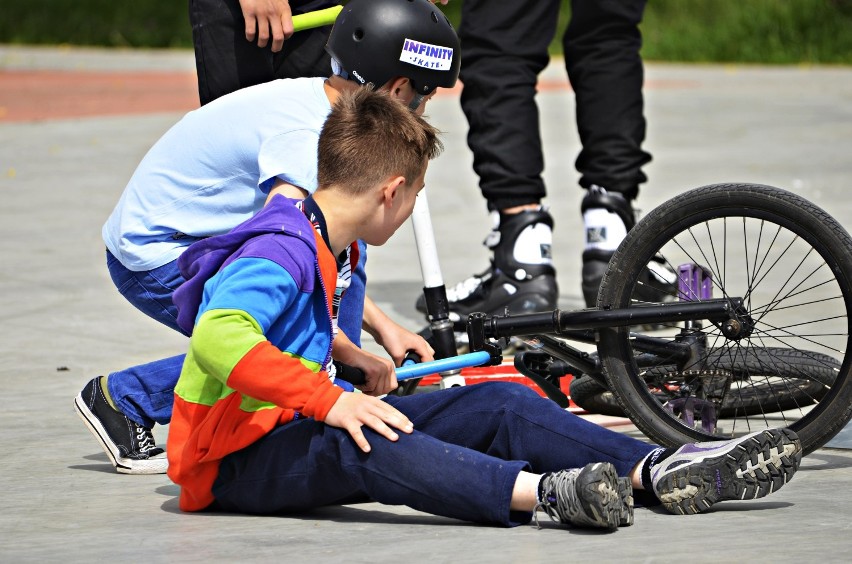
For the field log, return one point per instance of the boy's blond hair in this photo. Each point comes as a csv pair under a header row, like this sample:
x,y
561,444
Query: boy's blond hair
x,y
370,136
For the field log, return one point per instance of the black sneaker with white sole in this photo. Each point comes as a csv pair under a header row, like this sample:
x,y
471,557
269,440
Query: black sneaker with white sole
x,y
698,475
129,446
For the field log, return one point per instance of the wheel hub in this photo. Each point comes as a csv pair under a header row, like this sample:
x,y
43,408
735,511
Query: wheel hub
x,y
738,327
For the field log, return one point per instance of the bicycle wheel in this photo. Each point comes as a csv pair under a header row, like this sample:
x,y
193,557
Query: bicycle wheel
x,y
594,397
763,380
790,263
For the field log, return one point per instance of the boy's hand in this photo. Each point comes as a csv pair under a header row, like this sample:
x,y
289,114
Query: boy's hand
x,y
394,338
351,411
400,342
379,373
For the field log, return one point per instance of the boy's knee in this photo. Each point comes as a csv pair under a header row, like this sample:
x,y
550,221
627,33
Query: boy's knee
x,y
511,391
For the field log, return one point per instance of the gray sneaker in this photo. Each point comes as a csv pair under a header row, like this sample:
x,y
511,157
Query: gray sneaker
x,y
129,446
583,497
700,474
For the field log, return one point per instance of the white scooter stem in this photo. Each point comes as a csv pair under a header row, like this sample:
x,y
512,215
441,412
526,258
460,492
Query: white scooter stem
x,y
424,236
437,306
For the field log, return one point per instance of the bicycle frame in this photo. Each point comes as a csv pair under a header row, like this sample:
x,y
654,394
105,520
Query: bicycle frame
x,y
579,326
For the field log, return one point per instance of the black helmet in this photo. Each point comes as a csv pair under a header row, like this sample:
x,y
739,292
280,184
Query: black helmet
x,y
377,40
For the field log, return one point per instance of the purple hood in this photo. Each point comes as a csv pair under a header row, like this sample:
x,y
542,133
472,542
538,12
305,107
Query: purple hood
x,y
203,259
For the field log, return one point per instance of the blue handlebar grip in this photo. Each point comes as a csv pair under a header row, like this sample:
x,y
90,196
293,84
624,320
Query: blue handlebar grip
x,y
406,372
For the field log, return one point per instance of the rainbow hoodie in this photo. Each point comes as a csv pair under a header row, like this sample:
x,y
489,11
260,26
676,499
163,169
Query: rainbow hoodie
x,y
258,303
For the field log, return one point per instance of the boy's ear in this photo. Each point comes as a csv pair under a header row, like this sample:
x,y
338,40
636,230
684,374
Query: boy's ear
x,y
391,189
396,86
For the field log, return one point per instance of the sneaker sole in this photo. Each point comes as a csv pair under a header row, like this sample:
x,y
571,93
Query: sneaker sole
x,y
598,493
625,496
122,465
749,468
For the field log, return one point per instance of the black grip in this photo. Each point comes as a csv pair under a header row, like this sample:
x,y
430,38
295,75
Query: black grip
x,y
411,358
351,374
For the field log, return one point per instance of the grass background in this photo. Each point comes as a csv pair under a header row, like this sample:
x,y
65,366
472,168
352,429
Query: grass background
x,y
748,31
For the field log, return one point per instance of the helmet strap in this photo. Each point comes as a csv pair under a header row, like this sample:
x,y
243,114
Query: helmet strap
x,y
338,70
416,101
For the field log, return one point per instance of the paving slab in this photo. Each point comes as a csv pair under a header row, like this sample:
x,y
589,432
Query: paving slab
x,y
63,322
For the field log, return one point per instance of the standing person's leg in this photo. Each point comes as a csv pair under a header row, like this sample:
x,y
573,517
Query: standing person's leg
x,y
601,46
504,48
304,53
226,61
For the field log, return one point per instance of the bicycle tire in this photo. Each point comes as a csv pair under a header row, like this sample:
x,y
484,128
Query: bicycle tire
x,y
756,387
789,260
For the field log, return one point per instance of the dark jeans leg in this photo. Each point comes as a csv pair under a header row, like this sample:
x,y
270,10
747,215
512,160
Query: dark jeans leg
x,y
504,47
145,393
462,460
602,58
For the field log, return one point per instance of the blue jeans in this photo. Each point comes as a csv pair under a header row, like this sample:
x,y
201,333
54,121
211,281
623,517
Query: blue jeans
x,y
461,461
145,393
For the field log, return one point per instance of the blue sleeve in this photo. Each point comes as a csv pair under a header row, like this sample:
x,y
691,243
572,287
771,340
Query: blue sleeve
x,y
257,286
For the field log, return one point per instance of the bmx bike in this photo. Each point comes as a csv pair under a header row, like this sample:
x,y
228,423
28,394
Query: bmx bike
x,y
757,335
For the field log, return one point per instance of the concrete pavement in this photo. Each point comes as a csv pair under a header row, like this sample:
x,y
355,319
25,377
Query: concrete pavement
x,y
60,176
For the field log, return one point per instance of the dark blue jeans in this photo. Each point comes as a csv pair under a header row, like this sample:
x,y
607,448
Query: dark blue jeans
x,y
461,461
145,393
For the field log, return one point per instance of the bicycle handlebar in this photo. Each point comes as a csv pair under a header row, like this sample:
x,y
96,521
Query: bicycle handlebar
x,y
317,18
413,368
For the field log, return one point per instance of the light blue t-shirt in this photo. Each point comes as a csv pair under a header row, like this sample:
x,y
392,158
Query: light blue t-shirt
x,y
214,168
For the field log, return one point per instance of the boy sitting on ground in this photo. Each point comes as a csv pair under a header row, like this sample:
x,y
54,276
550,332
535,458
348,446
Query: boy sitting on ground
x,y
261,425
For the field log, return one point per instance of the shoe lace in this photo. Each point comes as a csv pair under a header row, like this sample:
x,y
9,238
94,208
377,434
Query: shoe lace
x,y
560,500
145,438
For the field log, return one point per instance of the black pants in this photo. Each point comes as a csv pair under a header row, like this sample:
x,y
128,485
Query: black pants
x,y
504,47
225,61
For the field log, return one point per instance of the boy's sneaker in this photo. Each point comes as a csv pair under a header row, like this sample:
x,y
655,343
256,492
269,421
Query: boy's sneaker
x,y
130,446
583,497
698,475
